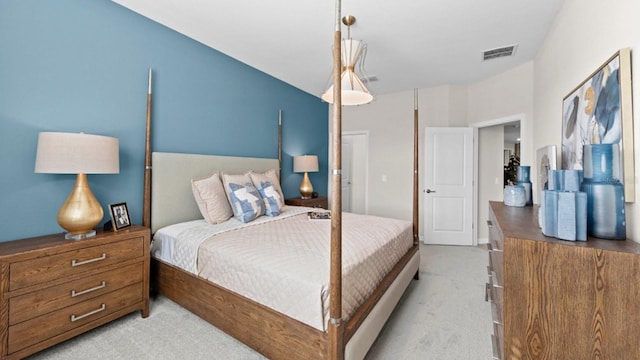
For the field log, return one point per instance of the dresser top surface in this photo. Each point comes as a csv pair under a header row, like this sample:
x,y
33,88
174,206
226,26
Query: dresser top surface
x,y
57,240
522,223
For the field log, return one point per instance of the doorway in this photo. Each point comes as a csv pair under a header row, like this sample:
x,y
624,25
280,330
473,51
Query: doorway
x,y
497,140
355,168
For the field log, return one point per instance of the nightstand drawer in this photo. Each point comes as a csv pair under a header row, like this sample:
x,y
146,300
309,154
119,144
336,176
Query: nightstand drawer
x,y
58,322
33,304
44,269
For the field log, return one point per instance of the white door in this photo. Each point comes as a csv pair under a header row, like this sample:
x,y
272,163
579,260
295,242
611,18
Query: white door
x,y
346,176
448,193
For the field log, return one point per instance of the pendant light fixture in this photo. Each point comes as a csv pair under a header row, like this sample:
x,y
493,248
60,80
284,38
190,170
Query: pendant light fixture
x,y
354,52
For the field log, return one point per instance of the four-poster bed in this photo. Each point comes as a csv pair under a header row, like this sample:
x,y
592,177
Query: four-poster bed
x,y
269,332
168,200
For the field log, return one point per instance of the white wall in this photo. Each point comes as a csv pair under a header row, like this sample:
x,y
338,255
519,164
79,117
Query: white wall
x,y
583,36
506,95
500,99
389,122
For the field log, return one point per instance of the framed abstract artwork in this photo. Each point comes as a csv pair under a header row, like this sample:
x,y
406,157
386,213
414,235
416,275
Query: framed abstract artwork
x,y
599,111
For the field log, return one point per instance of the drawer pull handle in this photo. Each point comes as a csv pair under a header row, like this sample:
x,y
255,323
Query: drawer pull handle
x,y
101,286
487,291
78,263
80,317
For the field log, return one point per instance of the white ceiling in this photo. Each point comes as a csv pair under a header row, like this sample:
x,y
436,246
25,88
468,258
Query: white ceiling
x,y
411,43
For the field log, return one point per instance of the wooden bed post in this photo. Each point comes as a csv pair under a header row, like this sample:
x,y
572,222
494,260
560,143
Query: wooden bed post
x,y
146,201
336,344
416,230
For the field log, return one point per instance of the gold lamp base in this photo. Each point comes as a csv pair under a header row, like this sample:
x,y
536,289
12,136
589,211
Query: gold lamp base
x,y
81,212
306,189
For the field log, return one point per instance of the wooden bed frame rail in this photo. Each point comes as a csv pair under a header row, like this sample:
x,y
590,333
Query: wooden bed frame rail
x,y
259,327
265,330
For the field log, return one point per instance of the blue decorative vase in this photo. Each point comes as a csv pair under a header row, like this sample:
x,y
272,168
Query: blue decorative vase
x,y
565,180
523,179
605,195
601,163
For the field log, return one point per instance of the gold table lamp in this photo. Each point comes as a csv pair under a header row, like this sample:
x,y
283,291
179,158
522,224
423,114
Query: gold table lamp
x,y
81,154
305,164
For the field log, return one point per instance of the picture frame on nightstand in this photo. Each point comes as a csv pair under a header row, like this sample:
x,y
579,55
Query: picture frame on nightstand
x,y
119,216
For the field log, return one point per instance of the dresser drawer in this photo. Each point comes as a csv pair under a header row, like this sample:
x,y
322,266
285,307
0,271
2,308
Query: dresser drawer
x,y
498,332
495,343
495,244
496,313
496,294
55,323
496,261
47,268
27,306
495,236
496,298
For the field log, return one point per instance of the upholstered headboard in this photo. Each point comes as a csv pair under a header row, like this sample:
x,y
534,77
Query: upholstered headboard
x,y
171,197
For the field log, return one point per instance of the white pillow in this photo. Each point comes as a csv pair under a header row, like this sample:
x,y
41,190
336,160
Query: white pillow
x,y
272,177
211,199
227,179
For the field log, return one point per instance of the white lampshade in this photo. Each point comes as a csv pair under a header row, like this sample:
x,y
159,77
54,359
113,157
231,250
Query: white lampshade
x,y
76,153
80,154
354,92
305,163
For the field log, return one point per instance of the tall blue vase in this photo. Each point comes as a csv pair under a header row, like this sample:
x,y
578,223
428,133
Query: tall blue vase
x,y
605,195
523,179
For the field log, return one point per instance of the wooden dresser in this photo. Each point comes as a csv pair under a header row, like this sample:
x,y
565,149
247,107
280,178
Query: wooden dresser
x,y
555,299
53,289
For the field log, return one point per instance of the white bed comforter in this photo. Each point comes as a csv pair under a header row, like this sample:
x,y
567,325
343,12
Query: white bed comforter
x,y
283,262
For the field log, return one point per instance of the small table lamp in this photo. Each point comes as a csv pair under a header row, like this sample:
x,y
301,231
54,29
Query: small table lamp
x,y
81,154
305,164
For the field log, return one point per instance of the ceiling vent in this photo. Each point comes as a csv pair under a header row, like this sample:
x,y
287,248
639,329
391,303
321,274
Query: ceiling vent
x,y
369,79
499,52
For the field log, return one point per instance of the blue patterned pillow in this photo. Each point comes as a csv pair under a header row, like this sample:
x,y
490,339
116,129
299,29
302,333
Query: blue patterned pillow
x,y
271,198
246,203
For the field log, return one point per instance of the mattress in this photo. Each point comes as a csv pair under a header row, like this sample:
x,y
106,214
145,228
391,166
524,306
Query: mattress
x,y
283,262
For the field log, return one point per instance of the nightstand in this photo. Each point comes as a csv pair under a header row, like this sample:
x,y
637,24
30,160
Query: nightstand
x,y
319,202
53,289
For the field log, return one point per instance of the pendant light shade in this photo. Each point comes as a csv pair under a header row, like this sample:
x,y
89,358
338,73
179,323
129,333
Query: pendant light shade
x,y
354,92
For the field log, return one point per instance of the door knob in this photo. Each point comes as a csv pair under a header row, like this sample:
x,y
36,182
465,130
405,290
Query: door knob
x,y
429,191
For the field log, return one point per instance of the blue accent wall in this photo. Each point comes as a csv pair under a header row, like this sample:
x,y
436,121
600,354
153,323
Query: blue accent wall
x,y
82,66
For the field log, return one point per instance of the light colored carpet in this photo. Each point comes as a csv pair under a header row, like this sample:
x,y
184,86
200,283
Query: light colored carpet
x,y
441,316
